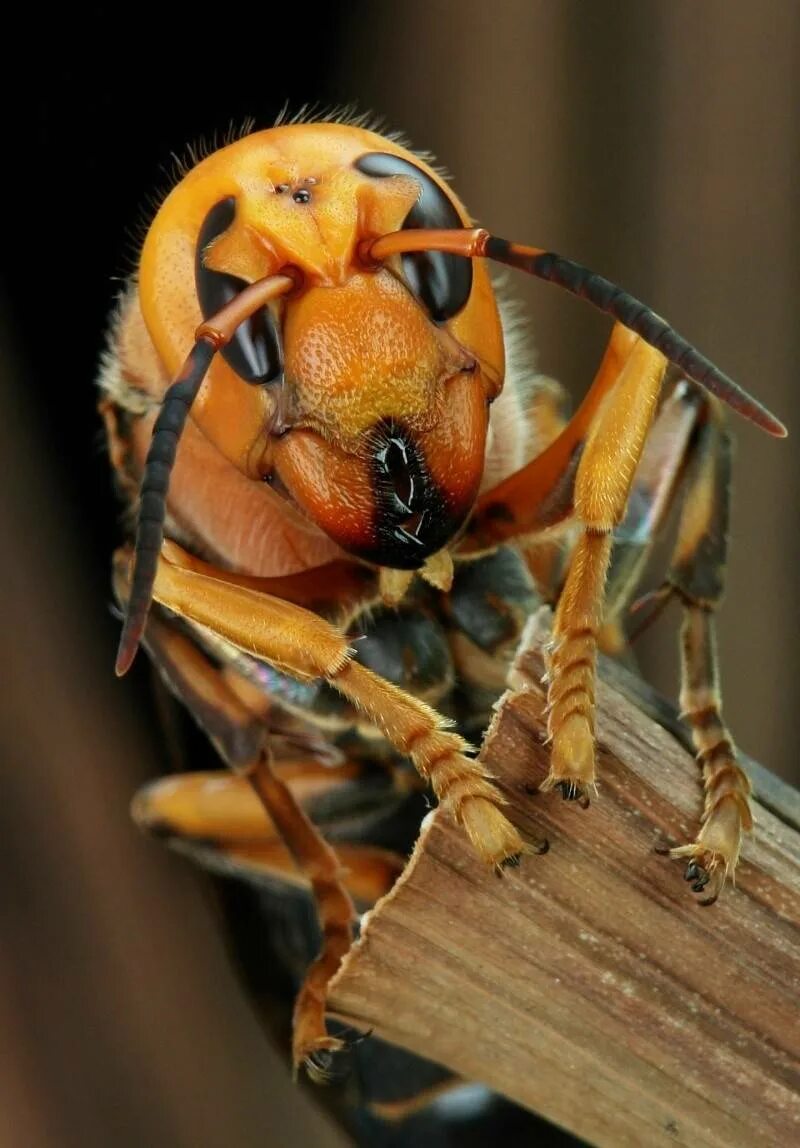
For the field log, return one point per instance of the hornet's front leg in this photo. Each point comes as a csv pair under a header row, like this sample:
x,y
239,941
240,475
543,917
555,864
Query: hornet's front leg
x,y
602,482
305,646
584,476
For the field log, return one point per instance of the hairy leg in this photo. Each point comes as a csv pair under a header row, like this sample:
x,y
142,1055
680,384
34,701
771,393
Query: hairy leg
x,y
696,576
305,646
605,473
241,738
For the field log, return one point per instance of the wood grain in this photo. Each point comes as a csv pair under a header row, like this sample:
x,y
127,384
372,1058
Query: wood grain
x,y
589,985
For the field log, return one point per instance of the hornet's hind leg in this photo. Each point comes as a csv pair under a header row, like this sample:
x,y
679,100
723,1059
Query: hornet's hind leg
x,y
690,447
696,577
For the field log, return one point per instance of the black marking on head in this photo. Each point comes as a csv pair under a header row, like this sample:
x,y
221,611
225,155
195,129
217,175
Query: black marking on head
x,y
254,352
441,282
412,518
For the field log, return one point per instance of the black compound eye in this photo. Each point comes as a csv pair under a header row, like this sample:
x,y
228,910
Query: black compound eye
x,y
254,352
441,282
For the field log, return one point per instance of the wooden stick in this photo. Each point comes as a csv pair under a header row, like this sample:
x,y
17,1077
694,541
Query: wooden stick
x,y
589,985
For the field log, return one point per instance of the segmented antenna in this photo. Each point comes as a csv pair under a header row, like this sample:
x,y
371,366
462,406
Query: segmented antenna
x,y
216,332
638,318
578,280
153,496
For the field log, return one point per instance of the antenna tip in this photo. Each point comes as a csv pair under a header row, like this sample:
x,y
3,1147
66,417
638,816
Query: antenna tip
x,y
763,418
125,655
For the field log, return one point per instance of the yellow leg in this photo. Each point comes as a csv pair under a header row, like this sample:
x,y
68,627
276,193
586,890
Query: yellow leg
x,y
571,667
602,483
540,495
305,646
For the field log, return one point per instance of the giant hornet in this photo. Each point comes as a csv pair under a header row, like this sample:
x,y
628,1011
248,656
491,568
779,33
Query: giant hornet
x,y
349,492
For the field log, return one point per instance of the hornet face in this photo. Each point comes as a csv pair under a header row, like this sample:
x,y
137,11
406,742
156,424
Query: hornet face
x,y
389,418
363,395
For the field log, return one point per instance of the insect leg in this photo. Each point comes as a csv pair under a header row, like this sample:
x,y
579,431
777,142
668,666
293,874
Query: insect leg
x,y
336,590
541,494
657,479
241,739
602,484
696,576
315,857
305,646
217,820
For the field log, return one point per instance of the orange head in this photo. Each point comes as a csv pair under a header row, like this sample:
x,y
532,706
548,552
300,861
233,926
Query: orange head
x,y
363,394
359,344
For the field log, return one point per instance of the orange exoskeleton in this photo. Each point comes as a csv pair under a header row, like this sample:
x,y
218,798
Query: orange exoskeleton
x,y
347,503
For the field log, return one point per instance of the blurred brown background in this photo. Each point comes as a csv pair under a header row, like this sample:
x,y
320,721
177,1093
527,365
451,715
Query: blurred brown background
x,y
655,142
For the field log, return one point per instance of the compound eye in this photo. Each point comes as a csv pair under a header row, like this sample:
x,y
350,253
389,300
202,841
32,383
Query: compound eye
x,y
254,353
441,282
